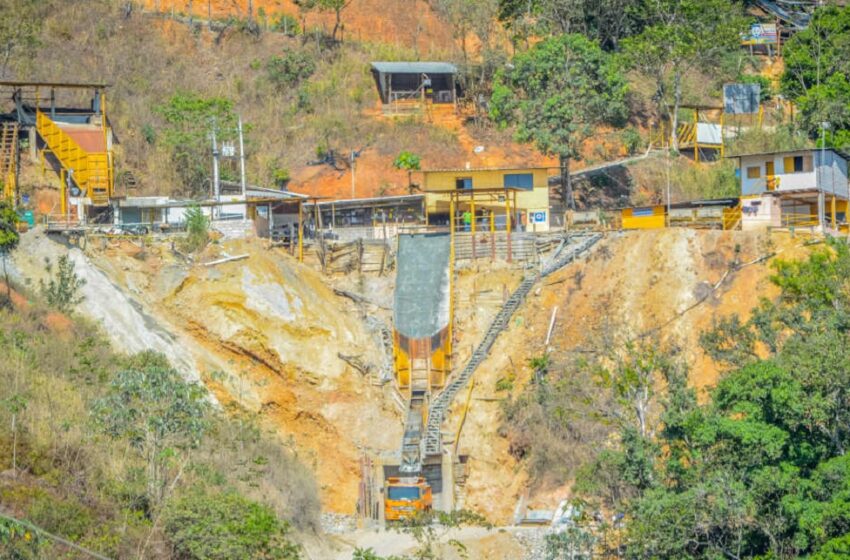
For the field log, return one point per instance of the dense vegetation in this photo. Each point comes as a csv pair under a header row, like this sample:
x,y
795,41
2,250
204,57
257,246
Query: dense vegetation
x,y
758,471
122,456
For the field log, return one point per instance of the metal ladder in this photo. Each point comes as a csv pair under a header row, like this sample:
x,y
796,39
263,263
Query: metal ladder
x,y
573,248
9,159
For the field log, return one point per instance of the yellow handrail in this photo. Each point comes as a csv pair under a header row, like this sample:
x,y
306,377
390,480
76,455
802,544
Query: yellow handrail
x,y
91,170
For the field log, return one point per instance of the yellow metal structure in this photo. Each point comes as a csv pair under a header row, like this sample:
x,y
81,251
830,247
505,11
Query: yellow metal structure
x,y
405,497
732,217
9,160
653,217
91,171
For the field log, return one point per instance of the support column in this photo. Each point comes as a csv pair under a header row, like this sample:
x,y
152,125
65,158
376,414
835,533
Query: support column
x,y
492,234
833,214
472,225
300,232
508,224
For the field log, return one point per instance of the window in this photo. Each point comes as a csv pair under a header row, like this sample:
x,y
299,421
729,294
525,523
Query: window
x,y
798,164
403,493
754,172
462,183
519,181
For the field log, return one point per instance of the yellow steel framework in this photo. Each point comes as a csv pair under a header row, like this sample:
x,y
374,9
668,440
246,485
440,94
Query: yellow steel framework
x,y
9,160
91,171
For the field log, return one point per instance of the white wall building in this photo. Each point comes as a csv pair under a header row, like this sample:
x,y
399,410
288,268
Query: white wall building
x,y
800,188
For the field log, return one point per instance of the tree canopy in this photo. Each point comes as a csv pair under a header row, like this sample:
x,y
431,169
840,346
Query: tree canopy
x,y
556,93
817,66
761,470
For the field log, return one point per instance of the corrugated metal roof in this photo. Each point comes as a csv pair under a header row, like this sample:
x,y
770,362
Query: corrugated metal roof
x,y
506,168
414,67
840,152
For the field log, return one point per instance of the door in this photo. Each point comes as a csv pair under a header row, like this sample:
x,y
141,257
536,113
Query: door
x,y
769,175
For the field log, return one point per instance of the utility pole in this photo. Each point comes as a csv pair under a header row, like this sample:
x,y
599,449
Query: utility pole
x,y
242,160
216,184
353,170
819,176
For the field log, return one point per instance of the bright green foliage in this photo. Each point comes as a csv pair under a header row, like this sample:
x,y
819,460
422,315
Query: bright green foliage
x,y
289,70
189,121
817,65
62,289
761,470
9,239
409,162
556,93
224,526
158,414
197,229
682,35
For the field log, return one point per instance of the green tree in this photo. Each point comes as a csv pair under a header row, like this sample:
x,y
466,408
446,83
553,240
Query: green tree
x,y
9,239
761,470
204,526
189,122
680,36
62,289
556,94
409,162
817,65
159,414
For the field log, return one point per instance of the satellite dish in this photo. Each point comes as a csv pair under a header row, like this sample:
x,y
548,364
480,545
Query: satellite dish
x,y
478,149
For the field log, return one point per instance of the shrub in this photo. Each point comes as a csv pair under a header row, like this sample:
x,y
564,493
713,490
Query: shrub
x,y
62,290
287,24
290,69
197,229
632,140
224,526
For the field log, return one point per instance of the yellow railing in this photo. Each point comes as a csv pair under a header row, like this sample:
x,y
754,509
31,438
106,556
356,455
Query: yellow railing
x,y
732,217
687,133
91,171
8,160
799,220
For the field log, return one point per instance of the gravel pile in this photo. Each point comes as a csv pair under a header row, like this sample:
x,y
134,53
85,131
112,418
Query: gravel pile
x,y
533,541
338,523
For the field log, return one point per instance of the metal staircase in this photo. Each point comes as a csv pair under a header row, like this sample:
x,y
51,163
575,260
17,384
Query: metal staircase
x,y
91,172
574,247
9,159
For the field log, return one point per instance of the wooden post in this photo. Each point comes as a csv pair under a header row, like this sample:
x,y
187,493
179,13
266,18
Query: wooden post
x,y
833,213
508,223
472,228
300,232
492,234
696,134
452,218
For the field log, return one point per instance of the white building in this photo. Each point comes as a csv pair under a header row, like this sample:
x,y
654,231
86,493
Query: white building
x,y
800,188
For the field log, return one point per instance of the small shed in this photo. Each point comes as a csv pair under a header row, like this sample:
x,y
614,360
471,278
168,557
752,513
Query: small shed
x,y
415,83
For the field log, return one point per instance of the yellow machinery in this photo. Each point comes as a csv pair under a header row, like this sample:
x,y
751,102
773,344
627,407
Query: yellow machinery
x,y
405,497
9,160
91,171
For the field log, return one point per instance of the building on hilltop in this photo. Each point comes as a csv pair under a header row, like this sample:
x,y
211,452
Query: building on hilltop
x,y
797,188
416,87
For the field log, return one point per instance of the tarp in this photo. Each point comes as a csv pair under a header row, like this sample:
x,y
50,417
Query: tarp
x,y
421,306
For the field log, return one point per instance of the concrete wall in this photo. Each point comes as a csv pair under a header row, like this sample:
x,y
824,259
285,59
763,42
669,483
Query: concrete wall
x,y
760,212
828,170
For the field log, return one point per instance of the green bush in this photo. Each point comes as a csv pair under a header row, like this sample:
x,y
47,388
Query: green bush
x,y
290,69
204,526
197,229
632,140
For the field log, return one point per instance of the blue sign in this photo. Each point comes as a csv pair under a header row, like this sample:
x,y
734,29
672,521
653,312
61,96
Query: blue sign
x,y
538,217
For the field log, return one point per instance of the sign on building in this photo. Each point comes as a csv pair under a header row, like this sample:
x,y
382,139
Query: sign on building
x,y
538,217
740,99
761,34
